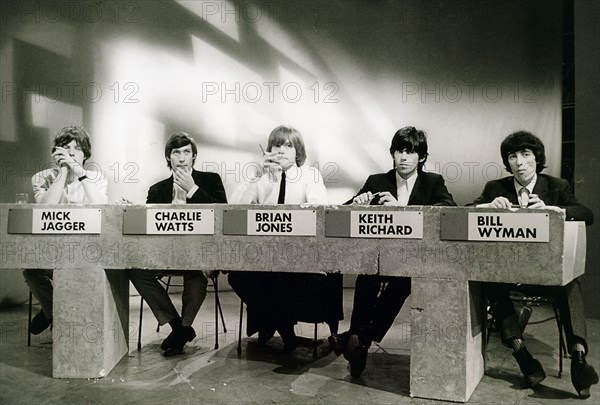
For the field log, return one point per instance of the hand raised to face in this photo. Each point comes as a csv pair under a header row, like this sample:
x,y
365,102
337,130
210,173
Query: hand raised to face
x,y
183,178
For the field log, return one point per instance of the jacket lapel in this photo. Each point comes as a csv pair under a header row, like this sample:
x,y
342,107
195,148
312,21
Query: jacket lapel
x,y
416,191
392,185
541,189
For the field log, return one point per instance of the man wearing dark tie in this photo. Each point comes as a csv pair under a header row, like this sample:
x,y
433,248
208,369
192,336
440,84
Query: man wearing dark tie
x,y
378,299
524,156
185,186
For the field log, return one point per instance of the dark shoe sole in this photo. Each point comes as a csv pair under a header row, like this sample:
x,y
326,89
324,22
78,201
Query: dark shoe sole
x,y
535,379
39,323
173,351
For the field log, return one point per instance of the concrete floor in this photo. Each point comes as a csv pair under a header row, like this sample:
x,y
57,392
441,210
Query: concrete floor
x,y
264,375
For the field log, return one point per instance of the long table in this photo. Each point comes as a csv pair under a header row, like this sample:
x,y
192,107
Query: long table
x,y
91,301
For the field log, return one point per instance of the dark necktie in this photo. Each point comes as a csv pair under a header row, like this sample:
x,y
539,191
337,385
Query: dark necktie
x,y
524,197
281,199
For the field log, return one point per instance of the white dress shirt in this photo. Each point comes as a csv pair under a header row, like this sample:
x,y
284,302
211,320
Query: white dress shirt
x,y
529,187
303,185
72,193
405,187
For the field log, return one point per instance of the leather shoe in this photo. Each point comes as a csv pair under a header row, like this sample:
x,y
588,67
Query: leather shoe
x,y
356,354
583,375
290,342
173,344
264,335
39,323
338,342
531,368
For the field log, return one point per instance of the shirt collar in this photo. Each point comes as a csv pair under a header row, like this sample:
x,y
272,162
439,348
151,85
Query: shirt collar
x,y
529,187
410,181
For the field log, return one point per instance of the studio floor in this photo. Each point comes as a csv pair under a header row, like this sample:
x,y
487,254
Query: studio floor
x,y
203,375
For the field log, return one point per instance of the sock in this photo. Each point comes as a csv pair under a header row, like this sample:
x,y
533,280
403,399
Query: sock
x,y
175,323
578,347
517,344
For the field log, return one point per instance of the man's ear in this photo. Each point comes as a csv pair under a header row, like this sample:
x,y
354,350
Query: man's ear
x,y
422,160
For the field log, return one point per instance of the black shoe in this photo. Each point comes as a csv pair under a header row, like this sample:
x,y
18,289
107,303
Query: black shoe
x,y
338,342
531,368
290,342
583,375
174,345
264,335
356,354
169,340
39,323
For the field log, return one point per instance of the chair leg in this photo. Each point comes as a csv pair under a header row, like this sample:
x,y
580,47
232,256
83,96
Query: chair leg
x,y
139,344
562,347
239,346
217,305
315,342
29,320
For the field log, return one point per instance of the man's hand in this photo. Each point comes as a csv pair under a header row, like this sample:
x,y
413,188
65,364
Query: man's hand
x,y
499,202
183,179
363,199
386,198
535,202
63,159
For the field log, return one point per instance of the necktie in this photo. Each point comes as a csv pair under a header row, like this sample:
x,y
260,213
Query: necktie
x,y
281,199
403,195
524,197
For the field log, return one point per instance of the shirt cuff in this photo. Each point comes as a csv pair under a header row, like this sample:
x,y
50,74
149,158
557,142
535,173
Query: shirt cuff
x,y
192,191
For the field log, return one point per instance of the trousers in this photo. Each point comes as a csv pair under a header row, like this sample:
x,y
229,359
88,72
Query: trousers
x,y
377,302
568,300
151,290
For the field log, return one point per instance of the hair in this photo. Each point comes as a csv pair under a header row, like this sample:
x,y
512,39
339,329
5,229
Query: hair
x,y
179,140
411,140
521,140
77,134
281,134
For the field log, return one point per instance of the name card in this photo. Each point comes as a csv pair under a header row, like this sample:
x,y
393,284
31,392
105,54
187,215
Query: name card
x,y
374,224
270,222
57,221
282,223
495,226
167,221
386,225
509,227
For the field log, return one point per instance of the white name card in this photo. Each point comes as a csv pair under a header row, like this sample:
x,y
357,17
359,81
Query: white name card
x,y
509,227
180,222
66,220
282,223
386,224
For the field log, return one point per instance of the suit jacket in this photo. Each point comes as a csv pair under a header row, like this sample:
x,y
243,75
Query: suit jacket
x,y
210,190
429,188
551,190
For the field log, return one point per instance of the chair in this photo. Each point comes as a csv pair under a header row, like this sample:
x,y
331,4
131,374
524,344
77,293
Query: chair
x,y
536,300
218,310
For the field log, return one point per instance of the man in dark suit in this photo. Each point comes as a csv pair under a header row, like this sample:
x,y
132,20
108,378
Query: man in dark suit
x,y
185,186
406,184
524,156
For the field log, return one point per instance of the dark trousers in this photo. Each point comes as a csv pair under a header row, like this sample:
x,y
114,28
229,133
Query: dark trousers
x,y
377,302
276,299
568,299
